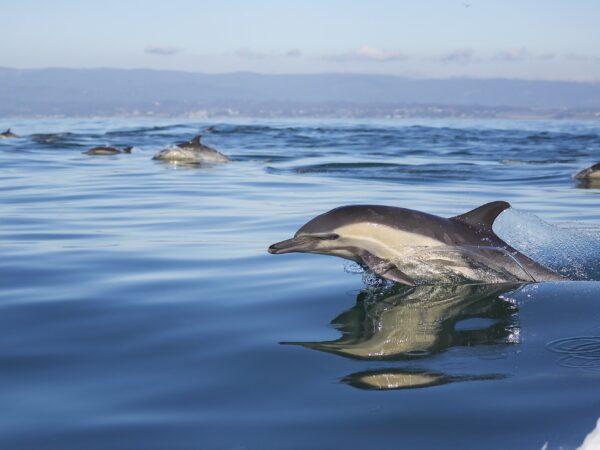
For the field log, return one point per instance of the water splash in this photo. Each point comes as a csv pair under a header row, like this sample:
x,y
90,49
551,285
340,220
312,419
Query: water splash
x,y
462,264
370,279
450,265
573,253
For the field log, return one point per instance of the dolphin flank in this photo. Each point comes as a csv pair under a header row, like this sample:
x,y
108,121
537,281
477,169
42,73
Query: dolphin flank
x,y
412,247
192,151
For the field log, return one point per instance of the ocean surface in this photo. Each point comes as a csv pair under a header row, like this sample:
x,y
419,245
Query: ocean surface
x,y
139,308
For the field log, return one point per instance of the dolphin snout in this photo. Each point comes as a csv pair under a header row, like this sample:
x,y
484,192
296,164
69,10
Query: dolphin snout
x,y
287,246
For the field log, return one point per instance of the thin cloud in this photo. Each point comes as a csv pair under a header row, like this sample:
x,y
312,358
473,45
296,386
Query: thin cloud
x,y
372,54
578,57
522,54
512,55
162,50
465,56
462,56
246,53
293,52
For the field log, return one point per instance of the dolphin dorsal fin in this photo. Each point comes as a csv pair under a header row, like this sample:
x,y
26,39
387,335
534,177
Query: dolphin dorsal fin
x,y
196,139
484,216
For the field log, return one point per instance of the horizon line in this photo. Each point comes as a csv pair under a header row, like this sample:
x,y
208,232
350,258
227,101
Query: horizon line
x,y
307,74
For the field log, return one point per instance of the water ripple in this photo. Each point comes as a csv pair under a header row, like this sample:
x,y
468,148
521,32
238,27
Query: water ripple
x,y
581,352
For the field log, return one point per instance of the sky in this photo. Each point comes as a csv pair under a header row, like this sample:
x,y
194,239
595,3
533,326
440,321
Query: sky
x,y
550,40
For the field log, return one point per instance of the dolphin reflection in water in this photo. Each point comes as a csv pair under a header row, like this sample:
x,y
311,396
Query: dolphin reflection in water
x,y
417,322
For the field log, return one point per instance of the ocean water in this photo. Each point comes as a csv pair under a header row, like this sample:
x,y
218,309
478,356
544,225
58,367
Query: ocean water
x,y
139,308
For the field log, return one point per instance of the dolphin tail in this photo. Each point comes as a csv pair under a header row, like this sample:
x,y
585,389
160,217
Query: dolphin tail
x,y
127,149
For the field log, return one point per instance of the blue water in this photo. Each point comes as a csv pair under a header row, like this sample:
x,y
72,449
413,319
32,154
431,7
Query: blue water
x,y
139,308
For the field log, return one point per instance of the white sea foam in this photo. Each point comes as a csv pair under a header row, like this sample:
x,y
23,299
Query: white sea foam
x,y
592,440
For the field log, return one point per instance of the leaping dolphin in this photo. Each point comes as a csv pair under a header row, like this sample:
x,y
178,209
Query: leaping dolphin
x,y
192,151
412,247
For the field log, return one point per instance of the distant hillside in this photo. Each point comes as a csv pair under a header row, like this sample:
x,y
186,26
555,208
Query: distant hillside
x,y
113,91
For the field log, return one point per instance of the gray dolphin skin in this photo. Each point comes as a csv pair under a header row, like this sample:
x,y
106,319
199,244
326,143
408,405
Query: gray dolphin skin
x,y
103,150
8,134
412,247
192,151
589,173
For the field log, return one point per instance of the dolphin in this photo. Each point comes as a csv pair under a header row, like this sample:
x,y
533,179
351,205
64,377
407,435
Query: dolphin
x,y
412,247
104,150
192,151
8,134
589,173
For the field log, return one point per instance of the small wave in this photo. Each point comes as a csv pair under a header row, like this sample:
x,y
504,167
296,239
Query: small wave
x,y
54,138
384,171
341,167
561,136
243,129
537,161
60,140
142,130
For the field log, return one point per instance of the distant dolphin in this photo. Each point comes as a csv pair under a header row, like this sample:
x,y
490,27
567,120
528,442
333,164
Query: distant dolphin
x,y
191,152
592,172
104,150
412,247
7,134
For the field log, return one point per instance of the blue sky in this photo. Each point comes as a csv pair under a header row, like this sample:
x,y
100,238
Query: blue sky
x,y
428,38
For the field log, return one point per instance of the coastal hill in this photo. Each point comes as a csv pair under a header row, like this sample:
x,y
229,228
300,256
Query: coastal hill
x,y
88,92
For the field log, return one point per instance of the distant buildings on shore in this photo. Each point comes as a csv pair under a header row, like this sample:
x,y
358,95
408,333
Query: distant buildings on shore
x,y
334,111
